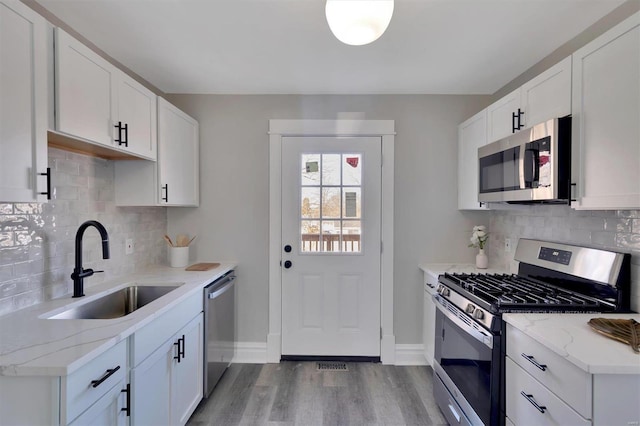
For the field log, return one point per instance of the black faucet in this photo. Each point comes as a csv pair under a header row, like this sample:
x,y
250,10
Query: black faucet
x,y
80,274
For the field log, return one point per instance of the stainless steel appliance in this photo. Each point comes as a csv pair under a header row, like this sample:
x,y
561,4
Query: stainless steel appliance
x,y
470,344
531,165
219,329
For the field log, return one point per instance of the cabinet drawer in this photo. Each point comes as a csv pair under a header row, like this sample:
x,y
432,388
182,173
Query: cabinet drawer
x,y
521,409
85,386
150,337
570,383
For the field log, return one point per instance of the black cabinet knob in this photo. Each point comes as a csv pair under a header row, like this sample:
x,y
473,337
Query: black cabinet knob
x,y
287,248
287,264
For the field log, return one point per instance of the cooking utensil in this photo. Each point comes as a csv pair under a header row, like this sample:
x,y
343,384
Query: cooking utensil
x,y
168,240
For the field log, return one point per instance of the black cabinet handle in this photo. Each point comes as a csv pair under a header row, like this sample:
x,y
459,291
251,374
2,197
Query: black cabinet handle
x,y
514,126
533,361
520,114
287,248
126,135
127,409
48,175
109,373
288,264
166,193
178,350
183,345
533,402
120,128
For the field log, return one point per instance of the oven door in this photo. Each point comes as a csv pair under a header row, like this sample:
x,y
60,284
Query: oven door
x,y
468,363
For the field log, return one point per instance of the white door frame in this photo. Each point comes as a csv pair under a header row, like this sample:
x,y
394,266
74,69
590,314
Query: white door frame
x,y
385,129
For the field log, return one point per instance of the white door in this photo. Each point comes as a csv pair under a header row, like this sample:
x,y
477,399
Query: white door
x,y
331,202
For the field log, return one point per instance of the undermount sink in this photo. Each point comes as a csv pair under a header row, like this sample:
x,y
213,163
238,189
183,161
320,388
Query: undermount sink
x,y
117,304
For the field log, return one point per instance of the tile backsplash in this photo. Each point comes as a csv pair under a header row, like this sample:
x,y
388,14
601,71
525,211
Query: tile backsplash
x,y
611,230
37,240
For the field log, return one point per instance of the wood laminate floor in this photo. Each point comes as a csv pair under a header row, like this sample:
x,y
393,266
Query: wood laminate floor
x,y
296,393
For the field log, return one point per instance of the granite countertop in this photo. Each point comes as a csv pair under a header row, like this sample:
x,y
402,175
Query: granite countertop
x,y
31,345
571,337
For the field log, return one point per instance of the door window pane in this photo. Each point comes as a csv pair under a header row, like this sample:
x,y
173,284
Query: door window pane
x,y
331,203
331,169
310,169
310,236
310,203
352,169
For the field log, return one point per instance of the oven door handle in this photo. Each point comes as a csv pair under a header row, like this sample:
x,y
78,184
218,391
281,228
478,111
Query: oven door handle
x,y
481,337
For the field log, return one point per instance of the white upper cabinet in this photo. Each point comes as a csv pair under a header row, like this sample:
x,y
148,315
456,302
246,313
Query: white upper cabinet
x,y
84,91
23,104
174,179
178,157
472,134
137,113
606,117
545,97
99,104
501,121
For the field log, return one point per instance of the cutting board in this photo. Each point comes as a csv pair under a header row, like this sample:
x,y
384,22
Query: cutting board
x,y
202,266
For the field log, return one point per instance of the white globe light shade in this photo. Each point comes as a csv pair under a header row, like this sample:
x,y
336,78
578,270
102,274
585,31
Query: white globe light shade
x,y
358,22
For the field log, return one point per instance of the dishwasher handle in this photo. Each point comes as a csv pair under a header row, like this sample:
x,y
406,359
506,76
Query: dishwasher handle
x,y
218,290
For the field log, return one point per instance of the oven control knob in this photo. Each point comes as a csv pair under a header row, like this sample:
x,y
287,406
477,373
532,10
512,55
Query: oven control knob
x,y
444,291
470,308
478,314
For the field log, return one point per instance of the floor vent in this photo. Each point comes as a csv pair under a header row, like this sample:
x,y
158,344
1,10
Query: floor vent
x,y
332,366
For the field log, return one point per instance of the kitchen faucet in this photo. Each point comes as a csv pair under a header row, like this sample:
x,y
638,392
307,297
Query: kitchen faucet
x,y
79,274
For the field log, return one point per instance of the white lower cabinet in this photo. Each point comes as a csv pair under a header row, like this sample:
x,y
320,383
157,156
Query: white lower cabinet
x,y
544,388
110,410
429,318
167,386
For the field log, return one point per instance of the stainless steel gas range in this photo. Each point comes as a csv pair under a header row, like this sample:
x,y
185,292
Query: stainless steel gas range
x,y
470,344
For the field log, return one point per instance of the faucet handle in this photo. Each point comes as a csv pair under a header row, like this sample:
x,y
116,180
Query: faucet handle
x,y
95,272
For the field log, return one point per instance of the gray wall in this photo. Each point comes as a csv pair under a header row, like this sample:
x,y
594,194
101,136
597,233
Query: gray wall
x,y
610,230
37,240
232,221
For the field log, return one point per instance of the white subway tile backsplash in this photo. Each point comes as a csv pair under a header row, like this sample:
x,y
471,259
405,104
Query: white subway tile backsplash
x,y
37,240
611,230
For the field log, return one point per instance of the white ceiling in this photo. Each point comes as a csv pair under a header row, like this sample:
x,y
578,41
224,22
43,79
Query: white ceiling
x,y
285,46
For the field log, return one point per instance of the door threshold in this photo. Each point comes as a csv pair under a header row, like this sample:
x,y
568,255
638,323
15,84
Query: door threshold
x,y
329,358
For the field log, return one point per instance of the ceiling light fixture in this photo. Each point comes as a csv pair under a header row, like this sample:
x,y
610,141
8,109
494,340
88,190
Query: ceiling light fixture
x,y
358,22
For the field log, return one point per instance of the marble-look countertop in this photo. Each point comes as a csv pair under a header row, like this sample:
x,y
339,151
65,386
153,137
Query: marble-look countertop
x,y
571,337
457,268
31,345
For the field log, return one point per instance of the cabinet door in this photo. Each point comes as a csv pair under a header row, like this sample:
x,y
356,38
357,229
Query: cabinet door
x,y
151,388
472,134
137,109
85,92
499,116
548,95
23,103
110,410
606,113
187,375
178,152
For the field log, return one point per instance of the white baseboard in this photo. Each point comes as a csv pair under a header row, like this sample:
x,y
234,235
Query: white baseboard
x,y
250,353
256,353
412,354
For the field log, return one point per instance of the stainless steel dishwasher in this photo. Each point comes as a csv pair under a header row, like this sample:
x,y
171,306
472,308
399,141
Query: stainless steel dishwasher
x,y
219,329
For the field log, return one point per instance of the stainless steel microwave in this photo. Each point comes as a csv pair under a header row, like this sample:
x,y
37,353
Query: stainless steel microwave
x,y
533,165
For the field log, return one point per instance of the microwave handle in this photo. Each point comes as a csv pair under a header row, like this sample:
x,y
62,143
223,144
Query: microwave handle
x,y
534,164
521,165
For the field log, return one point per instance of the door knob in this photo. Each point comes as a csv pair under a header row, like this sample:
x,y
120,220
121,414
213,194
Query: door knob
x,y
287,248
287,264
